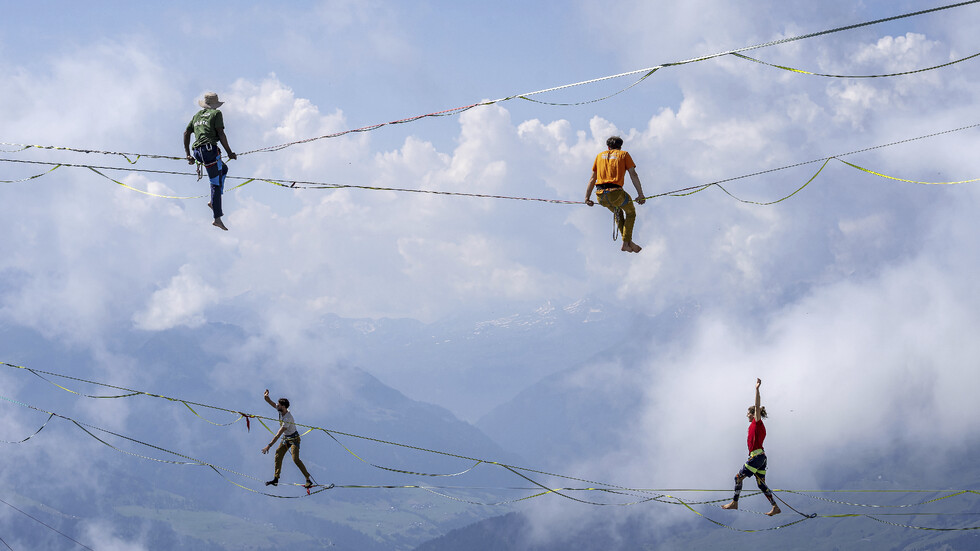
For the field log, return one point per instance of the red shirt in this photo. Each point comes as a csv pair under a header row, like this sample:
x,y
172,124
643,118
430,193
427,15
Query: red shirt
x,y
757,433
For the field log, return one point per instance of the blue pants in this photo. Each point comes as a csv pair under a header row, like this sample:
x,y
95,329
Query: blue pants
x,y
208,156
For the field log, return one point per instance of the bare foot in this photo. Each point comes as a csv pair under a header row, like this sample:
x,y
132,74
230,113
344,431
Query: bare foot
x,y
217,222
631,247
730,505
775,510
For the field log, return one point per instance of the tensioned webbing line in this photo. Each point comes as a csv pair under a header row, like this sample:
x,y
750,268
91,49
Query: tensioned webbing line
x,y
90,430
903,73
300,184
558,491
805,493
294,184
132,158
35,433
429,488
41,522
694,189
648,71
774,65
596,486
330,432
527,95
663,498
809,494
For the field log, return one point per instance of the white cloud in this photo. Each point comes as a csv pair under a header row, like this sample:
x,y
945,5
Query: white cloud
x,y
852,300
85,96
299,247
181,302
856,365
102,535
902,53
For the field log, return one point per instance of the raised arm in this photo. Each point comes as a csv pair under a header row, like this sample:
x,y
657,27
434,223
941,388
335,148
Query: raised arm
x,y
635,178
758,399
281,427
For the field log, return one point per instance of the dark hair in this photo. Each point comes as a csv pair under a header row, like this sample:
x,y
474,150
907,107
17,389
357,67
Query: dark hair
x,y
614,142
284,403
762,412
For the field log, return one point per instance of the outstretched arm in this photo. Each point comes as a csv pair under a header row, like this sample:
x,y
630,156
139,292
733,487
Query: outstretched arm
x,y
635,178
267,399
588,191
274,438
758,399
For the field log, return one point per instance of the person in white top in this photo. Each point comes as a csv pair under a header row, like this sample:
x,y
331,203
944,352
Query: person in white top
x,y
290,439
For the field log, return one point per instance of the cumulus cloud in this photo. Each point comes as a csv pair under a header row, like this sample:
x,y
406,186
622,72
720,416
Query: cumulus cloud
x,y
299,246
855,365
181,302
852,300
85,96
857,368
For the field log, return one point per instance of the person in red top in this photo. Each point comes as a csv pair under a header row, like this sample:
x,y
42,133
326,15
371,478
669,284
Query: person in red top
x,y
756,464
608,174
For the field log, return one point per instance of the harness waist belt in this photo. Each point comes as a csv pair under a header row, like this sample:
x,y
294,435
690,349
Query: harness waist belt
x,y
754,453
295,434
208,147
606,187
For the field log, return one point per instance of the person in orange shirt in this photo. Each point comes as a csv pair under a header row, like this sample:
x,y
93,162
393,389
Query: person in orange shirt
x,y
608,174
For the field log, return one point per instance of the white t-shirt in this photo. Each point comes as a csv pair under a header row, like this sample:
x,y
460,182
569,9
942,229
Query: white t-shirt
x,y
286,420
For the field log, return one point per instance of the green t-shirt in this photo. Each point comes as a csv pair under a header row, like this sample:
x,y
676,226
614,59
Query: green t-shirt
x,y
205,126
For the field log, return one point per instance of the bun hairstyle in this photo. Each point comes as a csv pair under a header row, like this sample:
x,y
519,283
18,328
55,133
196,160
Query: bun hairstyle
x,y
762,412
285,403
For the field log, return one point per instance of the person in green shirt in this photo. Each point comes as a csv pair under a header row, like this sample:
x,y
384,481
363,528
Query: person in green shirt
x,y
208,128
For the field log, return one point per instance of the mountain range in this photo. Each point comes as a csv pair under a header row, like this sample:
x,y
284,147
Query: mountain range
x,y
394,402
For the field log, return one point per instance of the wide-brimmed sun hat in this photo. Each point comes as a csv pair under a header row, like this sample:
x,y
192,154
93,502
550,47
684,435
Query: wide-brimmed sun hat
x,y
210,101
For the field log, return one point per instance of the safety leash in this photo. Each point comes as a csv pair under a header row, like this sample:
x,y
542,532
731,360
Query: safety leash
x,y
812,515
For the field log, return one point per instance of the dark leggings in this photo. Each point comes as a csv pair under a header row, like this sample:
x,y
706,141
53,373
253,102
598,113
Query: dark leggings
x,y
755,466
760,480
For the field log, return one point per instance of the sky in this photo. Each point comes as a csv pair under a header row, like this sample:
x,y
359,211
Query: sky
x,y
821,294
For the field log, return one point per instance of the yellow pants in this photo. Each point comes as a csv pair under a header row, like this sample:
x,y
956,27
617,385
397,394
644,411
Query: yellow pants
x,y
614,200
281,452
